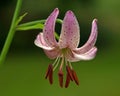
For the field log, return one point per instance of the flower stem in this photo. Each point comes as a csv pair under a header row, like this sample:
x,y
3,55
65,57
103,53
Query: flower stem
x,y
10,33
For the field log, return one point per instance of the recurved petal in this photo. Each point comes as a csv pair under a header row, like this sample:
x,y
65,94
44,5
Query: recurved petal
x,y
40,42
91,41
49,29
73,57
86,56
52,54
70,34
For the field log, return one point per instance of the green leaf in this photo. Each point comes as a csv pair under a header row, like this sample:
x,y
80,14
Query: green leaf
x,y
32,23
24,28
20,18
39,24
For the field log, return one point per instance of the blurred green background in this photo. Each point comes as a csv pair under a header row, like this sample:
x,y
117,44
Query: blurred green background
x,y
25,65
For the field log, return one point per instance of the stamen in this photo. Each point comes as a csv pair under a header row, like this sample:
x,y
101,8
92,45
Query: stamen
x,y
49,73
70,65
57,63
60,74
75,77
67,80
51,76
69,72
62,62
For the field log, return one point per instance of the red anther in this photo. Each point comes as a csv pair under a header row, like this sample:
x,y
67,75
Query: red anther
x,y
60,75
75,77
69,71
49,73
51,77
67,80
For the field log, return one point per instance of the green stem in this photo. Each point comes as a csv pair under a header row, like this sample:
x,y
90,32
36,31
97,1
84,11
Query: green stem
x,y
10,33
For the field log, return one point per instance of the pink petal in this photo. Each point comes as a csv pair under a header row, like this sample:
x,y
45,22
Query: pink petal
x,y
70,34
91,41
86,56
52,54
39,41
49,29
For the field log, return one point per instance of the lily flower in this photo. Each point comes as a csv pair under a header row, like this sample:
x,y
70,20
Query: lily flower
x,y
65,50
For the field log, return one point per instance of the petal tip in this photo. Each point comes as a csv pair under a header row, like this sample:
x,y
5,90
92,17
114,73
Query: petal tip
x,y
69,12
95,21
94,25
56,9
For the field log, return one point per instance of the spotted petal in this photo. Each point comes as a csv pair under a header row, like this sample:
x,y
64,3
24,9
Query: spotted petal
x,y
70,34
48,31
73,57
91,41
40,42
52,54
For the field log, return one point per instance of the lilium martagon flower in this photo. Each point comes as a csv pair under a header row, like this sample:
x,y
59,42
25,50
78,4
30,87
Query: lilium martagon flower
x,y
65,50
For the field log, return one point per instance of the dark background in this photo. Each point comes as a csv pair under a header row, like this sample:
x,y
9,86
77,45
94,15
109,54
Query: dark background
x,y
25,65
